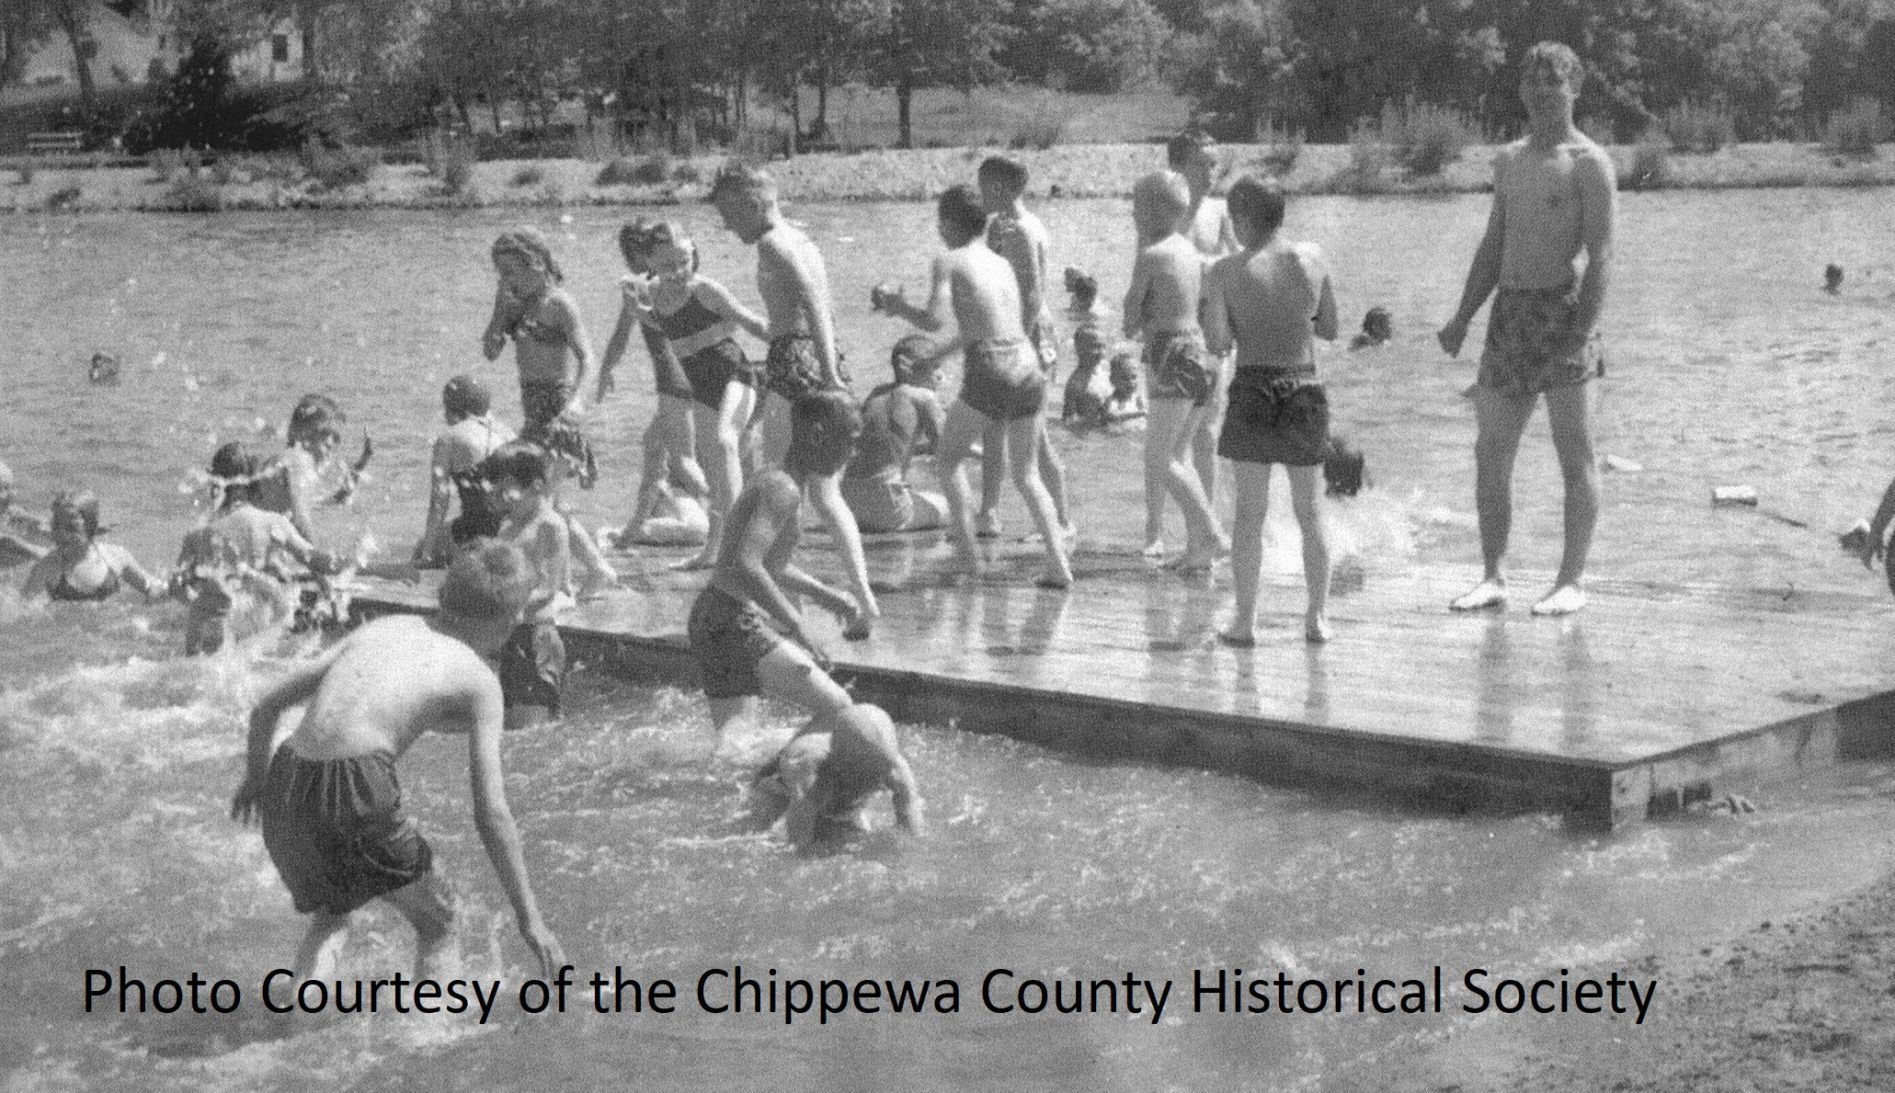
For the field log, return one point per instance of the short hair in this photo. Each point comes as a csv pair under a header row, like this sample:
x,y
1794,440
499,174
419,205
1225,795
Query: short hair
x,y
80,504
667,234
1180,148
909,352
487,581
635,239
1003,172
1557,56
464,396
741,179
1083,286
315,415
959,208
530,246
823,428
233,473
1160,200
518,461
1259,201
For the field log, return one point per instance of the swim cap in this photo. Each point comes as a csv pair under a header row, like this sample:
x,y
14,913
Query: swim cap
x,y
466,395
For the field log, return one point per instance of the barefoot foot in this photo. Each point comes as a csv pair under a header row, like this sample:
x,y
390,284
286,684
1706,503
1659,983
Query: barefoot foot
x,y
1154,547
1239,639
1489,593
1316,629
597,584
1564,600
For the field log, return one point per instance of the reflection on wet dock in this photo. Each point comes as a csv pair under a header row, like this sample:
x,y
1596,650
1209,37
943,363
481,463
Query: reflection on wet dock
x,y
1654,697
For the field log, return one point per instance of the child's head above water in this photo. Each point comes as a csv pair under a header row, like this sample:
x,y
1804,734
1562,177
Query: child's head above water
x,y
1378,324
961,216
488,582
234,474
520,464
1124,373
912,358
316,419
1160,202
464,397
1002,180
75,514
1083,287
823,429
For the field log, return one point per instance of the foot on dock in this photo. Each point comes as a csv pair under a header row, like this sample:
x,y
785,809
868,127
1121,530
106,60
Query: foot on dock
x,y
1564,600
1154,547
1316,629
1239,639
597,584
987,525
1488,593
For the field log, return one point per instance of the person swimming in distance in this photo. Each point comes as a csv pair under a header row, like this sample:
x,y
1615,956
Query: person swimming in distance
x,y
1832,278
1345,469
1378,327
822,781
80,568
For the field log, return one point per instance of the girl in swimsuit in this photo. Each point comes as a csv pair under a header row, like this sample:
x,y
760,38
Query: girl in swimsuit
x,y
80,568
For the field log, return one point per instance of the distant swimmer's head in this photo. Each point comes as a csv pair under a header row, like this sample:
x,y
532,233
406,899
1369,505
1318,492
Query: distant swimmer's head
x,y
1256,209
745,197
233,474
823,429
673,254
960,216
1832,277
1083,287
1160,202
914,361
486,588
1193,154
1378,324
75,516
1002,180
464,397
519,471
104,368
524,260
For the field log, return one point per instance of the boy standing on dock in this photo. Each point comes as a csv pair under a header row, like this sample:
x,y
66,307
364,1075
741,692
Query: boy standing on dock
x,y
1193,154
1548,250
328,795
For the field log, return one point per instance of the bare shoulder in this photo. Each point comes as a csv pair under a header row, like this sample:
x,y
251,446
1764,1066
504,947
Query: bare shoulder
x,y
1592,163
778,491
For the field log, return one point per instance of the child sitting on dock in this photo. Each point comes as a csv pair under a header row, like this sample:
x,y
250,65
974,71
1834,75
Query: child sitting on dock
x,y
746,630
897,418
821,782
79,567
240,569
532,663
472,434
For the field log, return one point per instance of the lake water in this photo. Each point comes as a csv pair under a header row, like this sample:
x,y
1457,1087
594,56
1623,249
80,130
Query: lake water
x,y
1727,366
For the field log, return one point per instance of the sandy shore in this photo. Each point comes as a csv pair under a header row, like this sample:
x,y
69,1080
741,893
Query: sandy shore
x,y
1095,170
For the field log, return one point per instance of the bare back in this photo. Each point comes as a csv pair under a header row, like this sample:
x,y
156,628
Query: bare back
x,y
388,683
792,280
983,293
1166,282
1265,301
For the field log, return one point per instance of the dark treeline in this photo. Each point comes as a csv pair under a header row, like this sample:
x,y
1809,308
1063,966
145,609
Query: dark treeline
x,y
1775,68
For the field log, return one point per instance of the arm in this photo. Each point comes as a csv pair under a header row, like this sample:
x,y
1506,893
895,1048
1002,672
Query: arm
x,y
551,552
940,310
1324,322
562,306
1135,296
440,498
908,804
1873,547
135,575
1482,275
778,512
298,687
505,314
493,818
1017,245
1213,314
718,299
1597,209
40,575
803,584
615,345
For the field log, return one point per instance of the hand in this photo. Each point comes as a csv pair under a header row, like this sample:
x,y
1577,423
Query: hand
x,y
857,625
885,296
493,343
243,804
545,947
606,385
1452,335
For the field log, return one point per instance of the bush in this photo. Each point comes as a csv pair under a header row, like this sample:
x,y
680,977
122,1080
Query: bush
x,y
193,194
686,172
1651,164
62,197
27,170
1369,160
224,170
1855,131
1700,127
530,175
1039,133
1285,147
165,163
1425,138
653,169
617,172
334,168
450,160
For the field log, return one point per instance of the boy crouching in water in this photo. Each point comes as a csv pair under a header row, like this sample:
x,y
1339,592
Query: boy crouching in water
x,y
533,661
825,777
746,630
328,794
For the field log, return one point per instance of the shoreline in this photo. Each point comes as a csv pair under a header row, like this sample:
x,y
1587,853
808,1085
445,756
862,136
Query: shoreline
x,y
272,183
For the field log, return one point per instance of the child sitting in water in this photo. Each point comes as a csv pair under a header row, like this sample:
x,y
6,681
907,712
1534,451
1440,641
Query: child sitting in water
x,y
1088,387
825,777
79,567
1378,326
897,418
1126,405
532,664
237,566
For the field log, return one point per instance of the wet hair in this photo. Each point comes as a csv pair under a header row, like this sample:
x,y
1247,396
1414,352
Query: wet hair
x,y
635,239
959,208
83,504
315,415
1179,149
518,461
465,397
908,353
667,234
1378,322
823,428
1160,201
1259,201
487,581
1083,286
530,246
741,179
233,474
1557,56
1004,173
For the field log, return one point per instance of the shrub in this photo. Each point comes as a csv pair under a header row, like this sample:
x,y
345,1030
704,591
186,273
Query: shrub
x,y
224,170
194,194
1369,160
334,168
1856,130
530,175
1284,148
165,163
1040,133
1651,164
617,172
62,197
686,172
450,160
1424,137
652,169
1701,127
26,172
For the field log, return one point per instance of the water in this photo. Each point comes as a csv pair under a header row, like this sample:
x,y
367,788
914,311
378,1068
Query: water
x,y
117,760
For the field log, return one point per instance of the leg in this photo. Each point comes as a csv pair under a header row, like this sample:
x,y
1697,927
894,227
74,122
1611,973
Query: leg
x,y
321,947
720,437
1306,495
652,470
599,573
931,511
726,712
1246,548
1164,418
788,674
1053,472
774,427
1204,440
430,908
1173,424
958,433
677,431
826,495
1023,436
1568,410
1500,419
993,471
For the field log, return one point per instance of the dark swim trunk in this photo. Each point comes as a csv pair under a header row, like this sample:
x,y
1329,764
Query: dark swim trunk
x,y
664,364
1523,355
792,369
712,368
729,638
335,829
540,405
1176,366
1275,417
1003,382
533,666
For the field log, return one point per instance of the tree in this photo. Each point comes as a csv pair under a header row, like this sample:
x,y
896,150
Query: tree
x,y
1090,45
937,43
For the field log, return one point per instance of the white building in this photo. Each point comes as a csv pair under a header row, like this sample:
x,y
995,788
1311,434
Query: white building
x,y
133,34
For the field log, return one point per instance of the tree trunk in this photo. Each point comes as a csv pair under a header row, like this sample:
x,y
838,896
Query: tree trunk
x,y
72,20
904,99
306,14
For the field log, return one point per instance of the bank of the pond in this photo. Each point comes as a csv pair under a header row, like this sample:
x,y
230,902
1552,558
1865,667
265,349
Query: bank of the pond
x,y
1095,170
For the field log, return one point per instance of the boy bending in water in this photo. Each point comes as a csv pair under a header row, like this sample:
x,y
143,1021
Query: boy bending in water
x,y
825,777
746,630
975,289
328,794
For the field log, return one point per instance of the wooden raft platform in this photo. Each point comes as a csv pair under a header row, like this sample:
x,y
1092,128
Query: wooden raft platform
x,y
1652,698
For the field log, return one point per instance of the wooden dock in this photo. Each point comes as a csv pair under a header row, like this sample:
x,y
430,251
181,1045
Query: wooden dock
x,y
1654,697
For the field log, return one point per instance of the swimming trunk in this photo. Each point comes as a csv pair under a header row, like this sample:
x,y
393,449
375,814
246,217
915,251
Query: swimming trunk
x,y
729,638
1003,382
1176,366
533,666
1275,417
478,519
792,368
664,364
881,502
711,369
541,404
1523,356
335,829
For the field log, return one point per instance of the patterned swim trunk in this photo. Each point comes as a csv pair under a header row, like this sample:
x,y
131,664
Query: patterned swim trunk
x,y
1176,365
1003,382
1525,353
729,638
540,405
792,369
